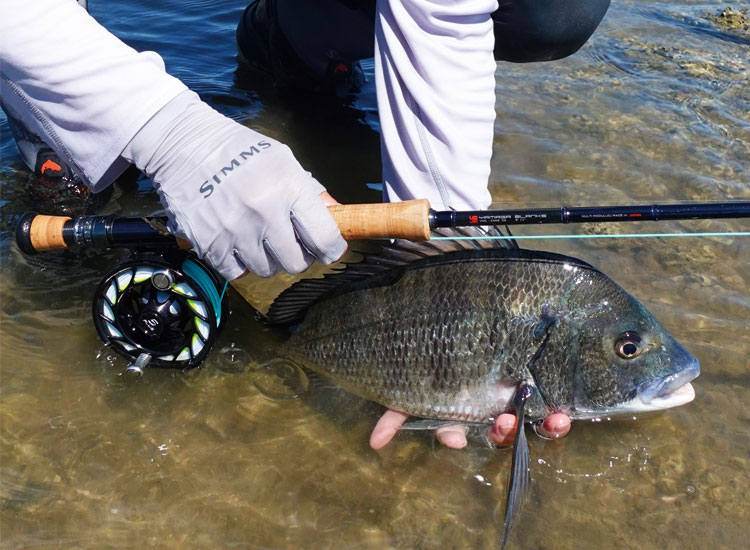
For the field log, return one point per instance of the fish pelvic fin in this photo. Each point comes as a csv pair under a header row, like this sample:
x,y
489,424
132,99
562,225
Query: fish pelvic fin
x,y
520,473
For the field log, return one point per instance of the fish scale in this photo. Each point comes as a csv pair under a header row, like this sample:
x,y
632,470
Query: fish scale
x,y
449,332
463,333
434,343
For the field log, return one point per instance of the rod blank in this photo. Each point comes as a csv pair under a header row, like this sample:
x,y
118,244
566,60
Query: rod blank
x,y
597,214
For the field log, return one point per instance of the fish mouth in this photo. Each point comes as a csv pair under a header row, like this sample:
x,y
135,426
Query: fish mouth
x,y
667,392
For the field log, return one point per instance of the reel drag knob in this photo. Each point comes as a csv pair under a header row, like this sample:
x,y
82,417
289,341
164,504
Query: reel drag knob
x,y
160,311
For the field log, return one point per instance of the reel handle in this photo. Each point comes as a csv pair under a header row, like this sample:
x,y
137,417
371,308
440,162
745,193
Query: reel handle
x,y
40,233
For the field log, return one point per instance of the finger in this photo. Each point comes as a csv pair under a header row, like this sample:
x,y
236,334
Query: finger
x,y
317,229
231,268
282,245
231,263
453,437
386,428
259,262
503,430
327,199
555,426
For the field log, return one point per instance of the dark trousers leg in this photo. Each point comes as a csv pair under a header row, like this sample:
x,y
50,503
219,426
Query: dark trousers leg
x,y
303,42
543,30
311,44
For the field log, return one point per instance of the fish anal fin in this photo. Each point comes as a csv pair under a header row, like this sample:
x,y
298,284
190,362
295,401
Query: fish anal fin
x,y
435,424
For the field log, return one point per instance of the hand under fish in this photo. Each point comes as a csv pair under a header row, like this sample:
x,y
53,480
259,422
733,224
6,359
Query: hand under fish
x,y
457,333
501,433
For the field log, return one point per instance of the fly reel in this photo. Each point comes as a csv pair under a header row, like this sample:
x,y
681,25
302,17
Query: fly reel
x,y
160,309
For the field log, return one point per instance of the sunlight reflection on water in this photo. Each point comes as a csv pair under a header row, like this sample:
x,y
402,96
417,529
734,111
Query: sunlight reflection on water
x,y
652,109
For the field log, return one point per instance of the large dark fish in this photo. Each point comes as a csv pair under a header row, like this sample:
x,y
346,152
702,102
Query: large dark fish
x,y
463,332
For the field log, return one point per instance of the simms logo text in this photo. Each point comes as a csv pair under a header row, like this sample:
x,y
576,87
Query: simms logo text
x,y
207,187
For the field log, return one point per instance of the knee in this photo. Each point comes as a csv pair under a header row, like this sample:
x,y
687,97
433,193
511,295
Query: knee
x,y
543,30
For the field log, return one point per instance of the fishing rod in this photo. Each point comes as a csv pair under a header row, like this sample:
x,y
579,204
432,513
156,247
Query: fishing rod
x,y
413,220
164,307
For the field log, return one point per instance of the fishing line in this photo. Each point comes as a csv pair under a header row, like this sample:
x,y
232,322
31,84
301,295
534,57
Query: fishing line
x,y
204,282
604,236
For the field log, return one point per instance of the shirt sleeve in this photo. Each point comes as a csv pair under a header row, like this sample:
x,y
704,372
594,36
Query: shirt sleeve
x,y
76,85
435,81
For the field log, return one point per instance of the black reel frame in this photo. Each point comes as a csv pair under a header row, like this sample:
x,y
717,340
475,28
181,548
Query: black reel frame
x,y
161,306
160,309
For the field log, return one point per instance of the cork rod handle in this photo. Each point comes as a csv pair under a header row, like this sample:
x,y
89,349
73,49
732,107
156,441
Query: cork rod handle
x,y
43,233
396,220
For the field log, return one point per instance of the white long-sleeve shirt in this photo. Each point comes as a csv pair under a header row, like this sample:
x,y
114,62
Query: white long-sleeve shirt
x,y
76,85
435,79
87,94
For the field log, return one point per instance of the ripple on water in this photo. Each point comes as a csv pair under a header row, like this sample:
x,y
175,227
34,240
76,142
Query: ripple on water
x,y
655,108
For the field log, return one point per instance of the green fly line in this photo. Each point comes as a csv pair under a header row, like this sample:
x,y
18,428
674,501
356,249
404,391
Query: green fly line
x,y
600,236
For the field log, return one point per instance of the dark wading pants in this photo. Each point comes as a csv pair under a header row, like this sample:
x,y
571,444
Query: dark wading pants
x,y
315,44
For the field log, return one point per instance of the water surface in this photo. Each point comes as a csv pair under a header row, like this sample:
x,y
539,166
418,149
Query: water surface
x,y
654,108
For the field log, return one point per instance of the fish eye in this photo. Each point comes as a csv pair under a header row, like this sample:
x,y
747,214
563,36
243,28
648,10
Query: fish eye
x,y
628,345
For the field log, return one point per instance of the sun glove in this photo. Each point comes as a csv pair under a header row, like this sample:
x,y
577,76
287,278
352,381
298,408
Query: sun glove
x,y
241,198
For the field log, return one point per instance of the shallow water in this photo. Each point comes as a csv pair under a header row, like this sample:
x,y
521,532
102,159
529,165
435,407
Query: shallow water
x,y
654,108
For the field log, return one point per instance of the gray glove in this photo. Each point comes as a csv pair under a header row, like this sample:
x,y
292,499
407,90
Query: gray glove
x,y
239,197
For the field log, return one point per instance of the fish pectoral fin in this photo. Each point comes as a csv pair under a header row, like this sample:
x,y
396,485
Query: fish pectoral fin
x,y
520,474
547,322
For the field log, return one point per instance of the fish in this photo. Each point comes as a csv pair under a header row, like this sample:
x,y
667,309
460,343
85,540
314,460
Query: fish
x,y
461,331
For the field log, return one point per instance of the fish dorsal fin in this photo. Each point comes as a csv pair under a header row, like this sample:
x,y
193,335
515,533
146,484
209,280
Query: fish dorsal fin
x,y
290,306
387,266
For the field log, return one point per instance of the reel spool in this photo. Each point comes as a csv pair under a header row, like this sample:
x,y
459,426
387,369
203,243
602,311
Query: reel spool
x,y
160,309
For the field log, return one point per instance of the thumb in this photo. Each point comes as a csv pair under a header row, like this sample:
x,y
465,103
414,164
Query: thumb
x,y
327,199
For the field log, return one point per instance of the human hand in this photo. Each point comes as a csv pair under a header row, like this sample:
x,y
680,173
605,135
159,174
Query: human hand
x,y
239,197
501,433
